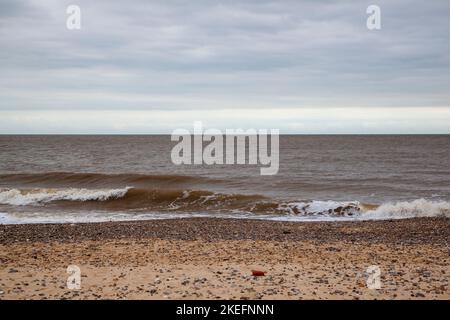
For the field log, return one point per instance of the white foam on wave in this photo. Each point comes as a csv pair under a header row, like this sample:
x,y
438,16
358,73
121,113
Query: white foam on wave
x,y
417,208
317,207
18,197
409,209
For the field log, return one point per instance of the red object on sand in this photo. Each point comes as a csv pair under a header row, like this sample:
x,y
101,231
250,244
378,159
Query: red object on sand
x,y
257,273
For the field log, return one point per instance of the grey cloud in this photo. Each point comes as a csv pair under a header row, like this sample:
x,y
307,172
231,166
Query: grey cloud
x,y
216,54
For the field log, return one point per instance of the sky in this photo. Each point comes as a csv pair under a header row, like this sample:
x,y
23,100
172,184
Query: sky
x,y
143,67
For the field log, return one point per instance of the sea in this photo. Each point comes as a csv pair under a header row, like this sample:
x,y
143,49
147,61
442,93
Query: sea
x,y
93,178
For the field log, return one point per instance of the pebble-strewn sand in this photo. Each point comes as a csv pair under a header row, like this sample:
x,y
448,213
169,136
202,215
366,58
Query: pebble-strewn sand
x,y
213,258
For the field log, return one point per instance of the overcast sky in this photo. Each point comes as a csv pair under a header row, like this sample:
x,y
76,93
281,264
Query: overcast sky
x,y
153,66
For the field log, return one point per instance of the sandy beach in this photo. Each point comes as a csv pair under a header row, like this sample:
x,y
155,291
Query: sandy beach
x,y
214,259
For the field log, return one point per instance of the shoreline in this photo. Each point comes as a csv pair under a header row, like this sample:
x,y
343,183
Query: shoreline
x,y
210,258
411,230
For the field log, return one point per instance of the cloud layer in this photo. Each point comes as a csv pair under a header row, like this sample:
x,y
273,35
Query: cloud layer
x,y
204,60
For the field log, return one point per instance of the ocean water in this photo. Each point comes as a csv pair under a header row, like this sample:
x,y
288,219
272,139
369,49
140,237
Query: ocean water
x,y
103,178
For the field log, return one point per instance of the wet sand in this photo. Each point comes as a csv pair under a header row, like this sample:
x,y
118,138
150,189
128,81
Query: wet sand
x,y
214,259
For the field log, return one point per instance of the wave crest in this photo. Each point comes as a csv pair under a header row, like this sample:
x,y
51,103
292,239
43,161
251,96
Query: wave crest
x,y
410,209
97,180
19,197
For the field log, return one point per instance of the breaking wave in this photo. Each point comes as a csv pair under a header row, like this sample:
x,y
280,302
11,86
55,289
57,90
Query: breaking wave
x,y
410,209
19,197
418,208
131,199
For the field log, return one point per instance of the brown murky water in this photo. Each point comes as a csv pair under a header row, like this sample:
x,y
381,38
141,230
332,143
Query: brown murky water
x,y
91,178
